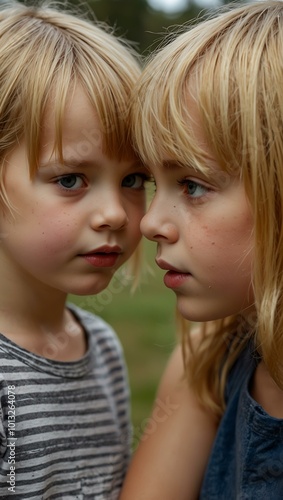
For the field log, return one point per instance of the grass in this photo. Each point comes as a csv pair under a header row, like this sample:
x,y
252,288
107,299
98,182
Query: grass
x,y
145,324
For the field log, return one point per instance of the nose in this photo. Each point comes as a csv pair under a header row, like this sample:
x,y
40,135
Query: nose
x,y
159,226
111,214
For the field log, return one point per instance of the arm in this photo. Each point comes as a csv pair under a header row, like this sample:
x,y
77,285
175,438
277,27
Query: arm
x,y
171,458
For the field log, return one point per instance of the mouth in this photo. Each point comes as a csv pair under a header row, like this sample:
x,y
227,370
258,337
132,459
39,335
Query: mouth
x,y
167,267
174,277
104,256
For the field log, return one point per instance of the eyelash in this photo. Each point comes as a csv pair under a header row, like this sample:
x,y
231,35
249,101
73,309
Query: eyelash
x,y
194,199
143,177
68,176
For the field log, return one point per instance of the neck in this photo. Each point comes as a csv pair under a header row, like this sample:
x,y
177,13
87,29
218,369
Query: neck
x,y
33,315
33,306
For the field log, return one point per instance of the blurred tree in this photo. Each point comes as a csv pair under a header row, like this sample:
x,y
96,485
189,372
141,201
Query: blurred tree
x,y
127,16
158,23
135,19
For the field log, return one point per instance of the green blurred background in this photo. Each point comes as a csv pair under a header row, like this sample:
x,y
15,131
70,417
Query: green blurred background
x,y
146,21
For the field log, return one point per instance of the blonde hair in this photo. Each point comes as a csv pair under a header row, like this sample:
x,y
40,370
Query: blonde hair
x,y
44,52
236,58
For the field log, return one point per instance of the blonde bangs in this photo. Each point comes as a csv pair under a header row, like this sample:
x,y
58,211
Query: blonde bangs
x,y
43,54
160,120
110,92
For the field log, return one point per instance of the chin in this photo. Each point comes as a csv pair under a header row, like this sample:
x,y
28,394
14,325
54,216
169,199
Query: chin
x,y
197,310
89,287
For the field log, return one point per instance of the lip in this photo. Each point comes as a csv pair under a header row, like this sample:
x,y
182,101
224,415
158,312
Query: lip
x,y
104,256
174,277
105,249
167,267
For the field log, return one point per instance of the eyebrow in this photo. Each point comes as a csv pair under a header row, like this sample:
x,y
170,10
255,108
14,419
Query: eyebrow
x,y
70,163
73,164
171,164
139,164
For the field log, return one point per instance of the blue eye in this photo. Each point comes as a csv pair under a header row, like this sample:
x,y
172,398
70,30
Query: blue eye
x,y
193,189
70,181
134,181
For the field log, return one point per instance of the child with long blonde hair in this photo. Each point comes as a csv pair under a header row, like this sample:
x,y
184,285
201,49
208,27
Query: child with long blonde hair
x,y
208,121
72,197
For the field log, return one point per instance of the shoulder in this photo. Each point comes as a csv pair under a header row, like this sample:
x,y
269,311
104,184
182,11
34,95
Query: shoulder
x,y
241,371
96,327
175,378
266,392
104,345
91,320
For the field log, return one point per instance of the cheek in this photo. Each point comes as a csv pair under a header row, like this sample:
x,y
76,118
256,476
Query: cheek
x,y
45,233
228,247
57,232
240,243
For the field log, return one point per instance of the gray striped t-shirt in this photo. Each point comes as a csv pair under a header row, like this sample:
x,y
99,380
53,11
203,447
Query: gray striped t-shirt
x,y
64,426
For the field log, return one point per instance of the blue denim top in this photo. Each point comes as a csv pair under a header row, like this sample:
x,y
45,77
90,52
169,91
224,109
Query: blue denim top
x,y
246,462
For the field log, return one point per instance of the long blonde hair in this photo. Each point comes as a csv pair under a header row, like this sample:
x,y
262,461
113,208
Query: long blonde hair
x,y
236,58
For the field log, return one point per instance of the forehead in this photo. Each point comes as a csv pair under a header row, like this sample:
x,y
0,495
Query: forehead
x,y
194,121
81,131
77,115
